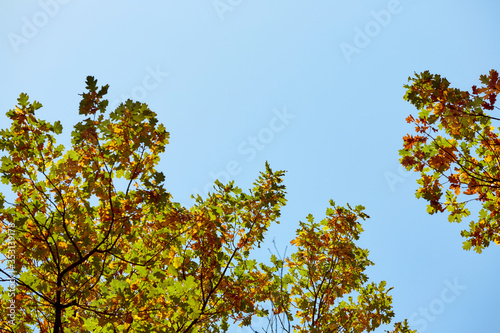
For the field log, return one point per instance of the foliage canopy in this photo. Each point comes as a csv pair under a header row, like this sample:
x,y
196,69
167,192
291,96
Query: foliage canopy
x,y
99,245
456,149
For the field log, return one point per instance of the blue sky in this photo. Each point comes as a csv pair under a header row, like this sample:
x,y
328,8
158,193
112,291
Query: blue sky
x,y
313,88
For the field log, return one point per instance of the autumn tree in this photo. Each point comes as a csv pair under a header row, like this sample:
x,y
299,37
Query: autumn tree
x,y
94,243
456,150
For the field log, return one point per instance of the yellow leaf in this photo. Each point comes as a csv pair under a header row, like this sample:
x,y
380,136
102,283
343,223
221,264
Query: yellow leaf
x,y
177,262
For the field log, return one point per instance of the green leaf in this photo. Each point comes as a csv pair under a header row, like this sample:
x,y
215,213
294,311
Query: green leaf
x,y
58,127
73,155
23,100
35,106
91,83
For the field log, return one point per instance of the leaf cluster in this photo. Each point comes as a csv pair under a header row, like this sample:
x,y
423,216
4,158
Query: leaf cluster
x,y
456,150
101,247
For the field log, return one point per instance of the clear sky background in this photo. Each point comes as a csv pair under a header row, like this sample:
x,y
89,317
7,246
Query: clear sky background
x,y
315,88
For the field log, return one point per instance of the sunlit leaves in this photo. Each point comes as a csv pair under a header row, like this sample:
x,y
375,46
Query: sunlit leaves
x,y
315,292
329,266
100,246
463,156
71,219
